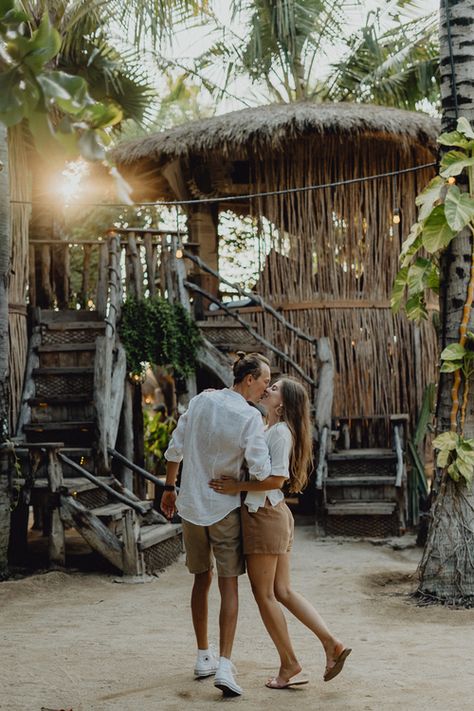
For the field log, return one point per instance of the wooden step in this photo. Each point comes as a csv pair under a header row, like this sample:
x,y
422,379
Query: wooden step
x,y
73,399
361,508
114,510
151,535
347,454
75,326
67,315
70,370
374,480
66,347
84,426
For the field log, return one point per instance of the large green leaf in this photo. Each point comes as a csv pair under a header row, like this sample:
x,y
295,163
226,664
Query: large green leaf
x,y
44,44
446,441
454,162
90,146
455,351
450,366
426,199
398,290
418,275
465,127
416,307
436,233
458,208
455,138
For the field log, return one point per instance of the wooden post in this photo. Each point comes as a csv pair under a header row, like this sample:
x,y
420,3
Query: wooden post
x,y
132,560
203,230
123,473
32,275
138,439
150,258
102,388
325,391
86,266
57,543
102,281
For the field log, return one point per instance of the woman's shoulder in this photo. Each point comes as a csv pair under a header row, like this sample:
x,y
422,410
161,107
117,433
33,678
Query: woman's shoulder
x,y
279,430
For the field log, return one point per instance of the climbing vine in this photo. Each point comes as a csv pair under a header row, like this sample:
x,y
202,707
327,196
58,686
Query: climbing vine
x,y
155,331
444,211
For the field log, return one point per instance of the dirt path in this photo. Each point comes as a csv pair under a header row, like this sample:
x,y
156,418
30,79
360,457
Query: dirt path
x,y
83,642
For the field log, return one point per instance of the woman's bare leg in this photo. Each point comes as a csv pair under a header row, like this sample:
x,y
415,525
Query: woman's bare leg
x,y
261,571
304,611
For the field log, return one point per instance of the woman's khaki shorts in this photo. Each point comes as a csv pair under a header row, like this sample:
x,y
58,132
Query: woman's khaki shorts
x,y
223,539
269,531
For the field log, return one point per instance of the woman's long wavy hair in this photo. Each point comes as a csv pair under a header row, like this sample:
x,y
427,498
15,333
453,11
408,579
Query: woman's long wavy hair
x,y
295,406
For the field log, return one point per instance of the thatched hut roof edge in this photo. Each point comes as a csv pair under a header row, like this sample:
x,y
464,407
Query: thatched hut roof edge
x,y
270,127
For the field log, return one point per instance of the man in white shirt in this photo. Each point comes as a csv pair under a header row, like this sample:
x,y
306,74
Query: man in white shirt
x,y
213,438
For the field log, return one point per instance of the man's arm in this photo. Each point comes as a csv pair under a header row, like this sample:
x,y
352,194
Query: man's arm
x,y
168,500
229,485
255,448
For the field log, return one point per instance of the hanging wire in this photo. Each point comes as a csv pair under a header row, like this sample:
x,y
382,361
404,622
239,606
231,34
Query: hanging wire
x,y
248,196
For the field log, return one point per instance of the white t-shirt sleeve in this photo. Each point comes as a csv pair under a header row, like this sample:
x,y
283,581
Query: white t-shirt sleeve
x,y
280,442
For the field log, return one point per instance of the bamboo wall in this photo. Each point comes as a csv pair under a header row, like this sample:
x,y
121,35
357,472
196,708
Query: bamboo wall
x,y
20,190
334,258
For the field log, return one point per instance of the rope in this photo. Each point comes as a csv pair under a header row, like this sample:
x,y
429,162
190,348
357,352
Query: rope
x,y
248,196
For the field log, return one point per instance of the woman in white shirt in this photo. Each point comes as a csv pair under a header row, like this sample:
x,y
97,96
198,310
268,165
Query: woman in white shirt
x,y
268,526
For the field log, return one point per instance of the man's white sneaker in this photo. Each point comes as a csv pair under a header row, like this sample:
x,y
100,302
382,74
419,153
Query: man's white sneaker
x,y
206,664
224,679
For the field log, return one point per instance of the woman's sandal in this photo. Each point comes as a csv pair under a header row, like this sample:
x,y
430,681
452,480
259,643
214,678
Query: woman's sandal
x,y
292,681
333,671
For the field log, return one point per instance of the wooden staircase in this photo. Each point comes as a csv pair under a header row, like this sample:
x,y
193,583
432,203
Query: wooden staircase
x,y
364,490
59,439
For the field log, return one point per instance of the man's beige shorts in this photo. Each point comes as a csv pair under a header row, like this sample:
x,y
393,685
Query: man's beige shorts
x,y
223,539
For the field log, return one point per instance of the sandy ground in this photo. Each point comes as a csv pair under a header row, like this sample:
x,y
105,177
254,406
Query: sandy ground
x,y
83,642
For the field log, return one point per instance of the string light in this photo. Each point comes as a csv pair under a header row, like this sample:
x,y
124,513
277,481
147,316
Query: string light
x,y
396,218
451,180
179,254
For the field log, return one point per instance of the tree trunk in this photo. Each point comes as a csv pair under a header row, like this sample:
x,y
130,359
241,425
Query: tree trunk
x,y
4,347
447,568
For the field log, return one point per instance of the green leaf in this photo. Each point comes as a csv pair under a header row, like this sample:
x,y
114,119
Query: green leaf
x,y
398,290
431,194
101,115
416,308
450,366
455,351
420,276
453,472
446,441
454,162
465,127
458,208
411,245
90,147
443,458
52,89
455,138
6,6
43,132
44,44
436,233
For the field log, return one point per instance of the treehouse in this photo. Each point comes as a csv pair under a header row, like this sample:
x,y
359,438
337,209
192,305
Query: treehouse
x,y
332,188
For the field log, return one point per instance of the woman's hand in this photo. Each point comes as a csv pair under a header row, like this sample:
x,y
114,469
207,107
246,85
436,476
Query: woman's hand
x,y
225,485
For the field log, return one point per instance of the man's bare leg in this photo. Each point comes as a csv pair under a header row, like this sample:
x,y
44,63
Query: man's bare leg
x,y
199,607
228,589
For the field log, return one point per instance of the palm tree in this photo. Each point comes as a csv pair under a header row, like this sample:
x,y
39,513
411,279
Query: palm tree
x,y
286,45
447,569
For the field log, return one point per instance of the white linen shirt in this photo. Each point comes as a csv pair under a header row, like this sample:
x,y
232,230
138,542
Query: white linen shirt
x,y
280,442
213,437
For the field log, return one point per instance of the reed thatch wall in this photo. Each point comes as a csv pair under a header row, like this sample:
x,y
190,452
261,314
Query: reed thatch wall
x,y
334,252
20,190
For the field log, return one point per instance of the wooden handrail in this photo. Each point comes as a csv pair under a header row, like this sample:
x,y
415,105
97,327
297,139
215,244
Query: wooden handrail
x,y
121,497
255,334
134,467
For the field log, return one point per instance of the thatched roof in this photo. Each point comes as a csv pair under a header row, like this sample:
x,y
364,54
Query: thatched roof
x,y
270,127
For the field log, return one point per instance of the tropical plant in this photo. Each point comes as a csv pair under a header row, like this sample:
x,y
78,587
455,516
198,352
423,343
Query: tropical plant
x,y
155,331
157,434
285,48
447,568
